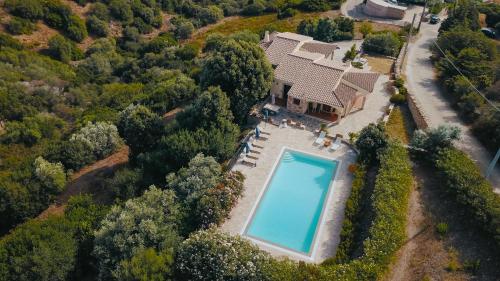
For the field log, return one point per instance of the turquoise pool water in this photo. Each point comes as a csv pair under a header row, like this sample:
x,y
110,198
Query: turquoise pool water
x,y
289,211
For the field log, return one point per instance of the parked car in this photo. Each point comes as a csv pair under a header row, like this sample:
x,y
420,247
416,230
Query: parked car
x,y
489,32
434,19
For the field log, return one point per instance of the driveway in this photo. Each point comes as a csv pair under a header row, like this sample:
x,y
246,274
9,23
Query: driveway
x,y
354,9
423,84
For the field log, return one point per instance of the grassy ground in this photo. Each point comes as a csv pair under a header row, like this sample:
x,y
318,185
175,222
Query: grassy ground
x,y
257,24
400,125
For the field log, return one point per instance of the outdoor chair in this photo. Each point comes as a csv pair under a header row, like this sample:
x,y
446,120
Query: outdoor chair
x,y
249,162
321,138
336,144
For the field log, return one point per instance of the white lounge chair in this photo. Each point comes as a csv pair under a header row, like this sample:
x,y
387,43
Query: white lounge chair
x,y
321,138
336,144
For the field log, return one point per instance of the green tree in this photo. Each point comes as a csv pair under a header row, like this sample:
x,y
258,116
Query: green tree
x,y
101,138
97,26
371,141
51,175
465,14
38,250
28,9
382,43
183,28
20,26
140,128
365,28
435,139
149,221
148,265
242,71
121,10
64,50
126,183
211,107
84,216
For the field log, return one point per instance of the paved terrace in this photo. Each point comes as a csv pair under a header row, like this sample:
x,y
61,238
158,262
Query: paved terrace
x,y
374,110
329,234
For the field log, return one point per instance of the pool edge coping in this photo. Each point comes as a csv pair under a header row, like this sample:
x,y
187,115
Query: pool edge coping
x,y
311,254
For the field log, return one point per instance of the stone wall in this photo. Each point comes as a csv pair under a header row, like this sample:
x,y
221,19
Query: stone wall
x,y
417,112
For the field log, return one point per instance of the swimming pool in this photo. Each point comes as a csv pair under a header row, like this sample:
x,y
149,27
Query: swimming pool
x,y
289,211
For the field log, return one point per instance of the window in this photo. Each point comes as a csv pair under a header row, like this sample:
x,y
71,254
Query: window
x,y
296,101
327,108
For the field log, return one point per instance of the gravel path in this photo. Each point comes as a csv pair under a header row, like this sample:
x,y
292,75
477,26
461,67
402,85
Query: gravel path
x,y
423,84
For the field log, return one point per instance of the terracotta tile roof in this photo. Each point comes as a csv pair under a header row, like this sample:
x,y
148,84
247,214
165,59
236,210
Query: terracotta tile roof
x,y
317,85
345,93
279,48
364,80
318,47
294,65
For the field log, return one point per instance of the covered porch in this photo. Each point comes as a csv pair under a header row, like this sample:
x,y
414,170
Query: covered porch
x,y
323,111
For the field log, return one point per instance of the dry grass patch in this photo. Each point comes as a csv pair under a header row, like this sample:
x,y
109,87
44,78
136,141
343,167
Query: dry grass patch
x,y
254,24
399,126
380,64
376,28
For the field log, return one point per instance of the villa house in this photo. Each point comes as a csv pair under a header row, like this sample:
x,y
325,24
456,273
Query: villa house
x,y
308,80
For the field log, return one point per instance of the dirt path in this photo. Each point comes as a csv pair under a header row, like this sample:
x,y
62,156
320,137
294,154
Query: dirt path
x,y
88,180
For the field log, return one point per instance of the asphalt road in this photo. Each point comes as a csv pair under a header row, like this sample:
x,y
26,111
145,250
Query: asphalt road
x,y
421,81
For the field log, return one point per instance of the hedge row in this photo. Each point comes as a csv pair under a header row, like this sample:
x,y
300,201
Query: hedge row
x,y
387,233
351,218
461,178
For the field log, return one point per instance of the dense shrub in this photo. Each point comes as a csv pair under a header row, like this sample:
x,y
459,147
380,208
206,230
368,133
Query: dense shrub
x,y
386,44
328,30
28,9
387,232
286,13
398,98
147,221
248,81
63,49
140,128
182,28
20,26
206,193
7,41
211,255
39,250
371,141
461,178
254,9
97,26
435,139
50,175
100,138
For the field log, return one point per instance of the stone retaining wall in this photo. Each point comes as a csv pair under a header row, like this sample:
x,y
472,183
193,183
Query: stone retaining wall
x,y
416,109
417,112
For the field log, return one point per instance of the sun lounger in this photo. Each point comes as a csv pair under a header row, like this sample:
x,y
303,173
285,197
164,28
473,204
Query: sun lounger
x,y
321,138
336,144
249,162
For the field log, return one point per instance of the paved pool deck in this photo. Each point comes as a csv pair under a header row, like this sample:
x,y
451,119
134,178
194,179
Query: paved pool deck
x,y
328,236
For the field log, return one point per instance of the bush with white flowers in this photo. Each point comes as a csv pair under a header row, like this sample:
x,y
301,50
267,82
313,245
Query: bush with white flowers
x,y
101,138
212,255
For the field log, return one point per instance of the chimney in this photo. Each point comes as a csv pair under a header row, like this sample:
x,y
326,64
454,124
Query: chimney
x,y
266,36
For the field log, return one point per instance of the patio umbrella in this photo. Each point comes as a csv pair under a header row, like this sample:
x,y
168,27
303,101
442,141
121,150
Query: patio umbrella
x,y
273,99
247,148
257,132
266,116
